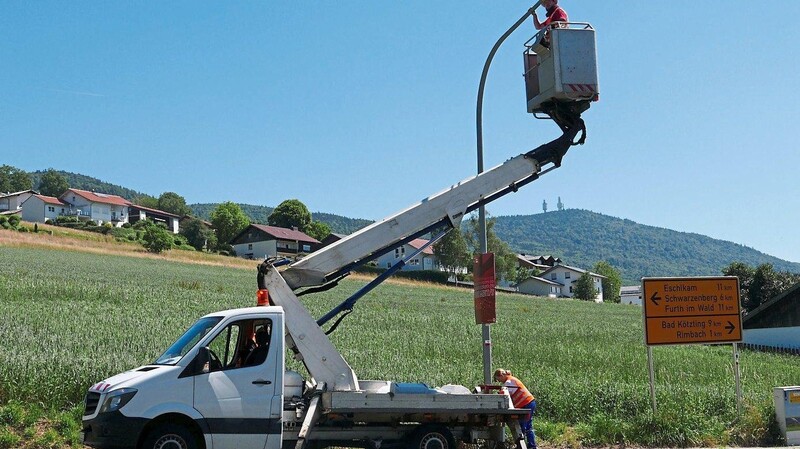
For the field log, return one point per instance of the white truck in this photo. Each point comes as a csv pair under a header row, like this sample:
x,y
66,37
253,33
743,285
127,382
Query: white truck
x,y
212,389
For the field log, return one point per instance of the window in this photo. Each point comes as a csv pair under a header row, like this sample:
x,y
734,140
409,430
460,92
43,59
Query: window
x,y
249,246
388,265
241,344
51,209
415,262
306,248
553,276
570,289
396,253
567,275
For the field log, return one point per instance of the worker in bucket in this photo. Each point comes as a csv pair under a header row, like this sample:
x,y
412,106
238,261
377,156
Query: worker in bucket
x,y
522,398
554,14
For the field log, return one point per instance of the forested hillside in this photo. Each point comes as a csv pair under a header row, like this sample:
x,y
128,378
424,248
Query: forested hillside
x,y
259,214
581,238
83,182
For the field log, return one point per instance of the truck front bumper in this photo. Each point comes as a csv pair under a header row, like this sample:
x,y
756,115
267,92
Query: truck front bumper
x,y
112,430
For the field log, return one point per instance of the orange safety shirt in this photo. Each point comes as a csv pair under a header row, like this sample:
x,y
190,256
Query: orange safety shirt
x,y
520,395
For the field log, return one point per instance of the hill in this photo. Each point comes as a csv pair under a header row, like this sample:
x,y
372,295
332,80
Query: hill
x,y
259,214
83,182
579,237
582,237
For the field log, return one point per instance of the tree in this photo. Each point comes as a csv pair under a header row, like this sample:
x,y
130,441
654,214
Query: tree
x,y
505,261
451,251
13,179
156,238
228,220
146,201
290,214
199,235
584,288
173,203
745,274
522,274
318,230
762,286
52,183
612,282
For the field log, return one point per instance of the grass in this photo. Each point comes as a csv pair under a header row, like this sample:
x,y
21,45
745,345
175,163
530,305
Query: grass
x,y
72,318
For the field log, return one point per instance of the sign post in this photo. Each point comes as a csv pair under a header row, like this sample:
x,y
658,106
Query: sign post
x,y
485,311
694,310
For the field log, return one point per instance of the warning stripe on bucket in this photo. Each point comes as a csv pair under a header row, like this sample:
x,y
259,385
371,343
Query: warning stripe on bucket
x,y
585,88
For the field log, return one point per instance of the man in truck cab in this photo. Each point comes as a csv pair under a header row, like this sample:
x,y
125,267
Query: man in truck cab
x,y
259,354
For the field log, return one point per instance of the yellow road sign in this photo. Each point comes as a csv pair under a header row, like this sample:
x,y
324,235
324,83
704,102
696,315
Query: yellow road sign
x,y
691,310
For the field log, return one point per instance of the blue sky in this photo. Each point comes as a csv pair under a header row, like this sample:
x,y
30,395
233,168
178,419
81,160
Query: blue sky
x,y
361,108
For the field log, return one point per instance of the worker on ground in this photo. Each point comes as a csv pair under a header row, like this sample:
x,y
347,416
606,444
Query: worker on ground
x,y
522,398
554,14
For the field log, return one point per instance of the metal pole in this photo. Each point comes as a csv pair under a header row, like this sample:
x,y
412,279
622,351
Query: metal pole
x,y
737,376
652,377
487,337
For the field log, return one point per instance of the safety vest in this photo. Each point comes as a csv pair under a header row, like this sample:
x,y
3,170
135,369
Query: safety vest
x,y
520,395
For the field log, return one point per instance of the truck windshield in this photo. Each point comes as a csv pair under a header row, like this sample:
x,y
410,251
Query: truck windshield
x,y
187,341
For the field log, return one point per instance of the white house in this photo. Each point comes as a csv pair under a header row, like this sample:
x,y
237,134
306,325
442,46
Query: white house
x,y
423,261
262,241
98,207
538,286
40,208
568,276
137,213
631,295
12,202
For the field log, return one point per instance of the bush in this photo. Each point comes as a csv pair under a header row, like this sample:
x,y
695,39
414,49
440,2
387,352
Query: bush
x,y
3,220
23,229
48,222
157,239
66,219
126,225
13,221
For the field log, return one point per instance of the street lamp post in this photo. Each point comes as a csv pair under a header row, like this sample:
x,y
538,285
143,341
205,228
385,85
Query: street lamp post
x,y
486,332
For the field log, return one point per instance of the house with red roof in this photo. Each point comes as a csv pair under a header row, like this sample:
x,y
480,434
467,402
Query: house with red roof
x,y
40,208
261,241
98,207
425,260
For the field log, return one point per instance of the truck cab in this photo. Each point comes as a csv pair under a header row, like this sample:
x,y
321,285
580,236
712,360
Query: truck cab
x,y
213,387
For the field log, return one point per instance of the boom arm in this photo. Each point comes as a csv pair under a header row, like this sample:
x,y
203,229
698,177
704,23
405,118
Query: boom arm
x,y
446,208
305,337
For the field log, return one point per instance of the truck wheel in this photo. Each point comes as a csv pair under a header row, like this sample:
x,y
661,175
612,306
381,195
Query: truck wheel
x,y
170,436
432,437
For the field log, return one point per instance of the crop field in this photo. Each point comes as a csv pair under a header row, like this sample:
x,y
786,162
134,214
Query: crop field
x,y
70,319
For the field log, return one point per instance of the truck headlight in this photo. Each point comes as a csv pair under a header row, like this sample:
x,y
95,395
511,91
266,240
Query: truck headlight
x,y
117,399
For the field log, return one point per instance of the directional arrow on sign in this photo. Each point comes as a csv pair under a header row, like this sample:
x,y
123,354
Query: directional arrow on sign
x,y
730,327
655,298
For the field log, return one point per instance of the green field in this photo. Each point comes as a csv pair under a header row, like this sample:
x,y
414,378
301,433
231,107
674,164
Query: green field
x,y
70,319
